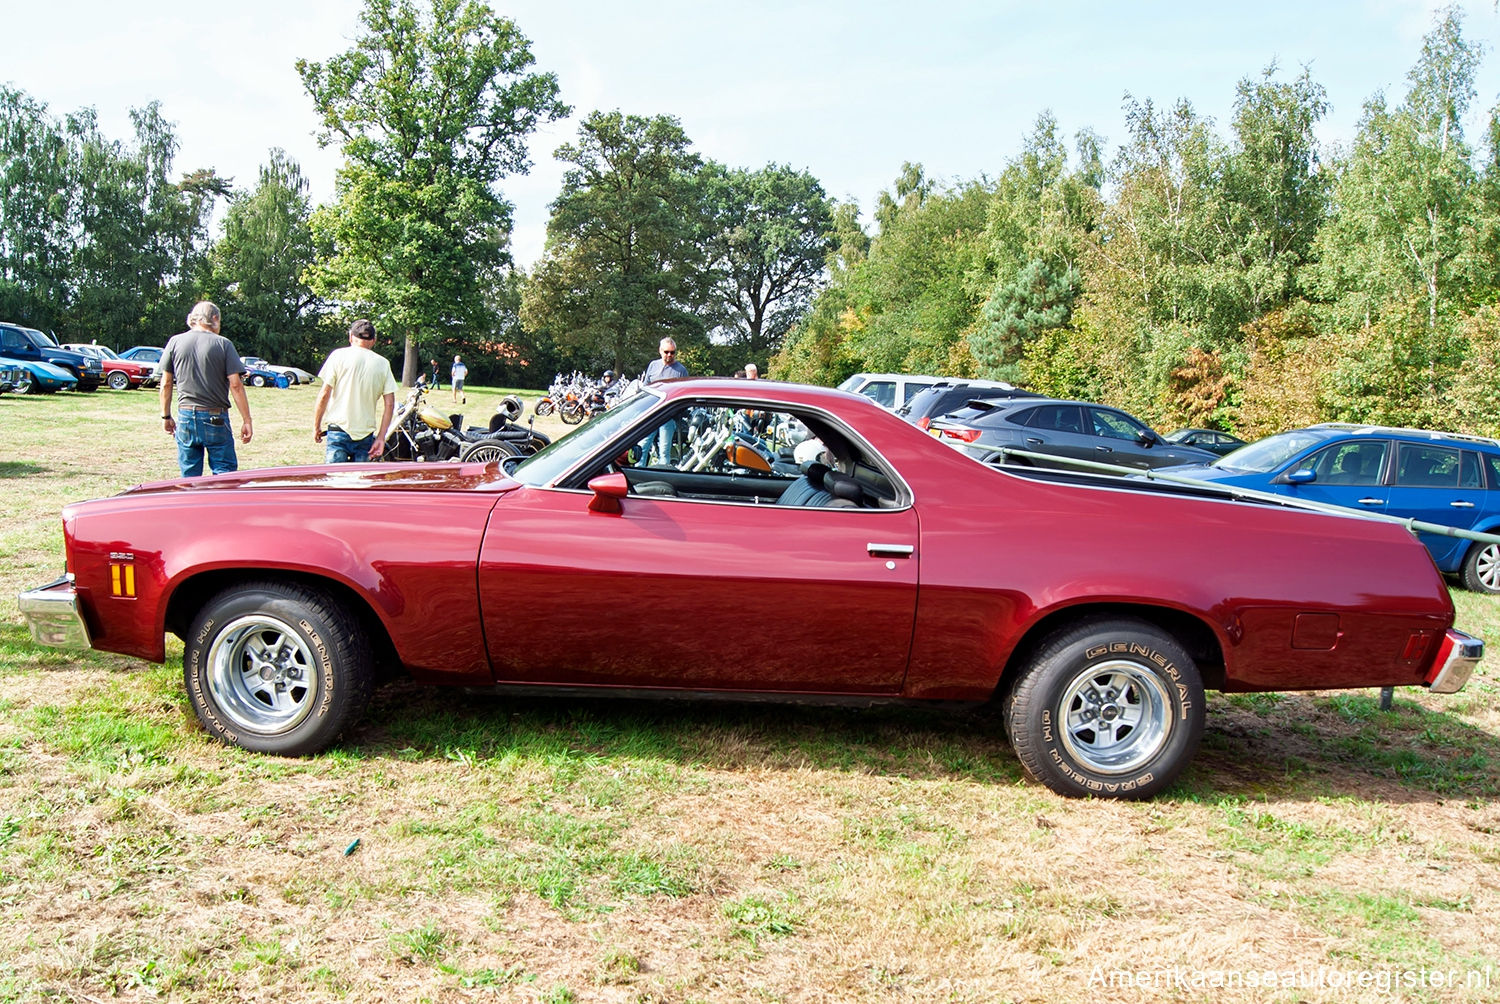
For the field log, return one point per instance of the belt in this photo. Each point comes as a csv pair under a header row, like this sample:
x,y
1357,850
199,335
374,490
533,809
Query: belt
x,y
210,411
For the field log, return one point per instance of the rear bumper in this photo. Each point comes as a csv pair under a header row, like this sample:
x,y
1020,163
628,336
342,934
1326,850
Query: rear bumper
x,y
52,613
1458,654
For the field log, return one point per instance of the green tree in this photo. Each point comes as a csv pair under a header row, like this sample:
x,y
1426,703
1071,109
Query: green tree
x,y
770,237
1275,198
257,267
36,206
624,264
431,108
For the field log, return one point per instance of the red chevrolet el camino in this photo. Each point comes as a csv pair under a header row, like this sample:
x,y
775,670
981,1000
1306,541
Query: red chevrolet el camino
x,y
733,538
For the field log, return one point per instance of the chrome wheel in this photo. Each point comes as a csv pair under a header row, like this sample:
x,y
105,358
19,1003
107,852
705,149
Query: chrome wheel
x,y
1116,717
118,380
262,675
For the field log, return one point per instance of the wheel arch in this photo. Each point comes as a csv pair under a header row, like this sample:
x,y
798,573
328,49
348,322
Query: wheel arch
x,y
1192,633
191,594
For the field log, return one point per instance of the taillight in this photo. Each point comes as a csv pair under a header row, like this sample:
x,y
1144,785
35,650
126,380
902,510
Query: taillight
x,y
924,423
965,435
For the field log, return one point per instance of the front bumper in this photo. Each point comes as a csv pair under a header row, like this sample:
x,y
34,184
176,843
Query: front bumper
x,y
52,613
1457,657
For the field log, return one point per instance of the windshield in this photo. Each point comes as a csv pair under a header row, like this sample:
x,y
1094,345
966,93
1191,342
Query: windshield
x,y
852,382
42,338
1269,453
547,466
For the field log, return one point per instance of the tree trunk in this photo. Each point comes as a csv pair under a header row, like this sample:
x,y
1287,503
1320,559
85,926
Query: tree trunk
x,y
412,364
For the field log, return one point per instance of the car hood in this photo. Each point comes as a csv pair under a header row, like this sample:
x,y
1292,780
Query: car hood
x,y
38,367
356,477
1208,472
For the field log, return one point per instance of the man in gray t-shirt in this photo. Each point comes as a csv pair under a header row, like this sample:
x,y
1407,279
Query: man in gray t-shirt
x,y
205,368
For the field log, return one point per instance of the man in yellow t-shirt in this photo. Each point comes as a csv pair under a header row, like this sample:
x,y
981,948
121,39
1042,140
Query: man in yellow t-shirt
x,y
356,380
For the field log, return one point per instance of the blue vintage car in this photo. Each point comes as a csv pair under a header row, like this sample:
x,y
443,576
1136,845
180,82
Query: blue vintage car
x,y
39,377
1436,477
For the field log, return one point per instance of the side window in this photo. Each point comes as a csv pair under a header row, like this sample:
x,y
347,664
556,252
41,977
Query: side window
x,y
1469,474
737,442
1351,463
882,392
1056,417
1113,425
1424,466
10,338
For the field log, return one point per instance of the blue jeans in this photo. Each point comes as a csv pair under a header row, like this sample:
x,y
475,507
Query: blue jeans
x,y
338,448
200,432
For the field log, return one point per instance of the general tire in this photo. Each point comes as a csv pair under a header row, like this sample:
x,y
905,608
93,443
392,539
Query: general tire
x,y
277,668
1109,708
1481,571
118,380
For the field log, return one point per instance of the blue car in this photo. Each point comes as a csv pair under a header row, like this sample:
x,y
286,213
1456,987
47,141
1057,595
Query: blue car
x,y
39,377
1437,477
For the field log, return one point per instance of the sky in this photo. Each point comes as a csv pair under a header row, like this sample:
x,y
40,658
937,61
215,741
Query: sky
x,y
848,90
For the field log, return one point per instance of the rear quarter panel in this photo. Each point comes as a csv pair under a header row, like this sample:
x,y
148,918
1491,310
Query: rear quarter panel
x,y
999,553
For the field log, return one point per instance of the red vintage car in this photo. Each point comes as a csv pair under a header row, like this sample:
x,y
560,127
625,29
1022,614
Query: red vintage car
x,y
754,539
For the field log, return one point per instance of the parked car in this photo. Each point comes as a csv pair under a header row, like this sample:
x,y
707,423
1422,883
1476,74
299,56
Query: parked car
x,y
143,353
889,390
884,567
38,377
1073,429
119,373
11,375
1211,440
949,395
294,374
29,344
258,376
1436,477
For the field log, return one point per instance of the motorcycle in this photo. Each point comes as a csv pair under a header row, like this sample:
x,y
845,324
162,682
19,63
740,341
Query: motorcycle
x,y
421,433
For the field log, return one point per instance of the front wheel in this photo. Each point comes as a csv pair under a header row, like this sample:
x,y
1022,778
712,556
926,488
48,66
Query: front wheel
x,y
118,380
257,381
277,668
544,407
27,383
1481,571
571,412
1110,708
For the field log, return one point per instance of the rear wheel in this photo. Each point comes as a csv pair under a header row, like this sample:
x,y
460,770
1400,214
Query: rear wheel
x,y
277,668
1481,571
118,380
487,451
257,381
1110,708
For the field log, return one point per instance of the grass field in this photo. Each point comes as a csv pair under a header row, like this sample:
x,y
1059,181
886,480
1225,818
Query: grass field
x,y
456,848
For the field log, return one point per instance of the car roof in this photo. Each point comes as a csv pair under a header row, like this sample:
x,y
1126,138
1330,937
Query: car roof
x,y
1357,429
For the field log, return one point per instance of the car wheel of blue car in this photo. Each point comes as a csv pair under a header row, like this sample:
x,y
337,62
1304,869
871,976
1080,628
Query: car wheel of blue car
x,y
1481,571
1112,708
277,668
27,383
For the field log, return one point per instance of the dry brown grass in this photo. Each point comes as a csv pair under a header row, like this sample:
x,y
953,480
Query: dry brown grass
x,y
599,851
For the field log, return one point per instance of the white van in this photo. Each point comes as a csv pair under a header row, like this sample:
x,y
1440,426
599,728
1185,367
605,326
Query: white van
x,y
889,390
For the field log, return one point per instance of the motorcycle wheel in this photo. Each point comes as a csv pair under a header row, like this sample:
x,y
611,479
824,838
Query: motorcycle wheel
x,y
572,414
486,451
544,407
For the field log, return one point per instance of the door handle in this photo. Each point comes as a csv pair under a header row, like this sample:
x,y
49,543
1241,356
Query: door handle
x,y
1104,449
1460,504
890,550
1369,501
1032,441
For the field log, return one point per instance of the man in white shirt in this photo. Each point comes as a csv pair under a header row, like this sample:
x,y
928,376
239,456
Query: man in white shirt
x,y
356,380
